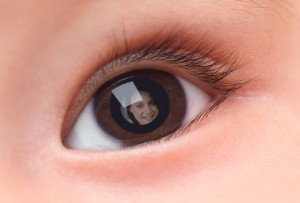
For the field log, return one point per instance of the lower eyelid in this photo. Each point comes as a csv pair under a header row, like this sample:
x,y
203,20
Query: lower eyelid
x,y
137,165
131,166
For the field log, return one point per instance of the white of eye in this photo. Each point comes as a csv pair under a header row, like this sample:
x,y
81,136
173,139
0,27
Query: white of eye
x,y
88,135
196,100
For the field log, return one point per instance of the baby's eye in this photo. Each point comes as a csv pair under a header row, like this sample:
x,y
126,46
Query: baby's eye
x,y
151,94
111,121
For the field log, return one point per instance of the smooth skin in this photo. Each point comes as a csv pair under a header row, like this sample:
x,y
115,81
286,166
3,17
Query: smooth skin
x,y
246,151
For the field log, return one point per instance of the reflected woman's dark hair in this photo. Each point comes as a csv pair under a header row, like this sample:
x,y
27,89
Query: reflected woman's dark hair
x,y
131,116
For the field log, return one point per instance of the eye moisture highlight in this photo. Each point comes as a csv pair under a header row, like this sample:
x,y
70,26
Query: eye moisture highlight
x,y
118,117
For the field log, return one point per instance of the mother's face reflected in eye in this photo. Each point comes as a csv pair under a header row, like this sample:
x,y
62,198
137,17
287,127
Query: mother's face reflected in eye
x,y
144,111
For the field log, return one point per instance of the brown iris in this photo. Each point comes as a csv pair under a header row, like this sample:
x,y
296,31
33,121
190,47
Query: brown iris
x,y
140,106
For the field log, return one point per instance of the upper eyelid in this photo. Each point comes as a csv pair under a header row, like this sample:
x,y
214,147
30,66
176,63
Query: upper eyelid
x,y
124,46
210,65
174,47
180,49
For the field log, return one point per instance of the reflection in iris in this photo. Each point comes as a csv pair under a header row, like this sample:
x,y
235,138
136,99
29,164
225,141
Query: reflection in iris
x,y
144,111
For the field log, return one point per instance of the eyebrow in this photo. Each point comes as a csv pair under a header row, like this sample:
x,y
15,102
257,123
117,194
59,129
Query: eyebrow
x,y
277,5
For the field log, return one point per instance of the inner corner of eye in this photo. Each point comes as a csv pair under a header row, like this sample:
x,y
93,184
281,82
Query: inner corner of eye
x,y
135,108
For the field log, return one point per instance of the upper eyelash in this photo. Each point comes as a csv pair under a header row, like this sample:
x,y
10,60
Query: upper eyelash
x,y
194,58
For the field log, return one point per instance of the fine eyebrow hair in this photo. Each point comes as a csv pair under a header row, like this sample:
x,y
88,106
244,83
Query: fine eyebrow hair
x,y
277,5
280,8
285,5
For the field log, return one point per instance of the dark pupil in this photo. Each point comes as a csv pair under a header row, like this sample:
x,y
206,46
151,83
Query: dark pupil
x,y
140,106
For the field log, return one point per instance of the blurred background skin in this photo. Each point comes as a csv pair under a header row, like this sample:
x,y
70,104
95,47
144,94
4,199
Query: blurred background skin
x,y
247,151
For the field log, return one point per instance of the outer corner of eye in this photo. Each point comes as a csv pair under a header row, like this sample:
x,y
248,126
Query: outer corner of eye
x,y
135,108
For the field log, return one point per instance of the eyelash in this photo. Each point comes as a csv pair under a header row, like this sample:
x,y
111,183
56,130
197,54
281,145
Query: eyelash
x,y
190,57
